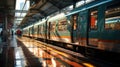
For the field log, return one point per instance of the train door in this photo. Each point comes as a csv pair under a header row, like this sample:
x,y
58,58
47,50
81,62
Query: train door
x,y
74,20
38,31
33,31
49,25
29,32
93,29
82,26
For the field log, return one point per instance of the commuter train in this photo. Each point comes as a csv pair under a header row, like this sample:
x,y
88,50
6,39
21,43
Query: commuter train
x,y
95,26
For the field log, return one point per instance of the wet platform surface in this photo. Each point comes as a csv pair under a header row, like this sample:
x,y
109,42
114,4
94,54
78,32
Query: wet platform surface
x,y
26,52
20,60
50,57
47,56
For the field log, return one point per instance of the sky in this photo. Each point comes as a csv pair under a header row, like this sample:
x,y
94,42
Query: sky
x,y
19,14
20,1
18,6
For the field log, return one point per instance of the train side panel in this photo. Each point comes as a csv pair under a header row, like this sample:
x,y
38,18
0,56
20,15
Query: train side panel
x,y
101,36
99,27
110,29
59,29
42,31
26,32
35,31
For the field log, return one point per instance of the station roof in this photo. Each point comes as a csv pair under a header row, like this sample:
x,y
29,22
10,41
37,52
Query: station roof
x,y
43,8
39,9
7,8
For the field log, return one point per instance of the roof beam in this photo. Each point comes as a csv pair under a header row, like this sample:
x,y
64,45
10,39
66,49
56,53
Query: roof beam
x,y
54,4
43,13
38,11
18,17
19,11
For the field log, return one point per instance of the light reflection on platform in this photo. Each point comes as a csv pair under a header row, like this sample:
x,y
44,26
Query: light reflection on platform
x,y
19,58
46,59
50,57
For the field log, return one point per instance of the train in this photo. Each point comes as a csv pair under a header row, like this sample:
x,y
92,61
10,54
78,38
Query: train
x,y
94,26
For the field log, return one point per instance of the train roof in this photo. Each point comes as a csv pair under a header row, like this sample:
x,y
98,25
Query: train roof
x,y
40,22
57,17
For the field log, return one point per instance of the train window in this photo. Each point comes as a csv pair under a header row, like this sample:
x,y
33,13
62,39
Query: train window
x,y
62,25
52,26
35,29
30,30
38,30
112,17
41,28
75,17
93,18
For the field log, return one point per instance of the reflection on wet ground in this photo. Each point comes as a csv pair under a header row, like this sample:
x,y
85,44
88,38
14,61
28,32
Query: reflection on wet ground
x,y
19,58
50,57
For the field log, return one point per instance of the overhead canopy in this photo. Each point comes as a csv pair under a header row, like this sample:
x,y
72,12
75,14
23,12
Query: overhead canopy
x,y
7,8
43,8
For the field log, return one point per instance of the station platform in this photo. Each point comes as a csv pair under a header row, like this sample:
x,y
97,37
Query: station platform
x,y
10,54
26,52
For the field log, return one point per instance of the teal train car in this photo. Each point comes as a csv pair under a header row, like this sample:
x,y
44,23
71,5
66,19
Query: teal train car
x,y
92,29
